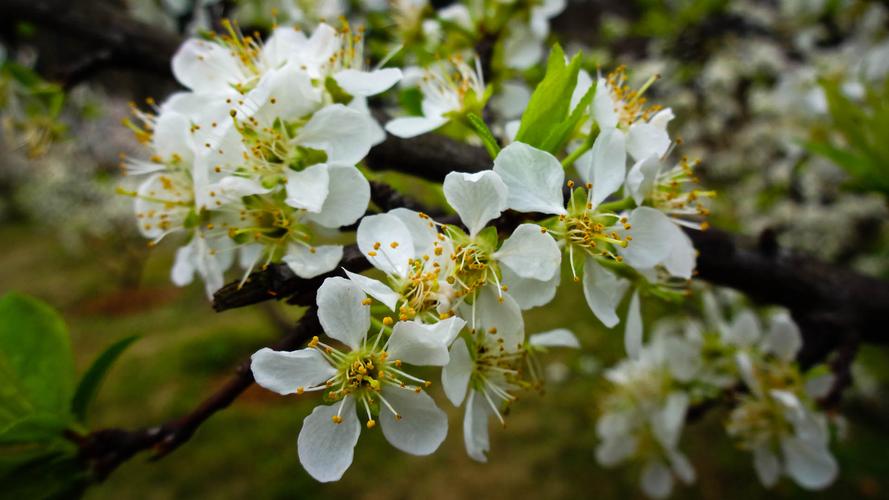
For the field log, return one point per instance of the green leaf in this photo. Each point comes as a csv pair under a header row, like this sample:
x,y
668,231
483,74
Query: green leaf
x,y
484,133
92,380
43,473
560,134
36,365
550,103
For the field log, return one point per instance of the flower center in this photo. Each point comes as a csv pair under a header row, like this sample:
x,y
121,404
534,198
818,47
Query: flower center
x,y
420,288
473,267
589,232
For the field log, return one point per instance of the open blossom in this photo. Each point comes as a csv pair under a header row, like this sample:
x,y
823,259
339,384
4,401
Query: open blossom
x,y
644,413
450,89
526,264
595,236
416,260
490,365
258,159
366,377
165,202
776,421
523,45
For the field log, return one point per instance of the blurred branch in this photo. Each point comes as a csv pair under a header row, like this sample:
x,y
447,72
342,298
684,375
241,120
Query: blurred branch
x,y
104,450
102,29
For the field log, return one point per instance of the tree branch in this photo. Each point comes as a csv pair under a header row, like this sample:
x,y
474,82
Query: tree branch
x,y
104,450
124,42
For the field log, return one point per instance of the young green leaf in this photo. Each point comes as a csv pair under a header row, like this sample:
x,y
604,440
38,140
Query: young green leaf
x,y
484,133
551,100
36,365
92,380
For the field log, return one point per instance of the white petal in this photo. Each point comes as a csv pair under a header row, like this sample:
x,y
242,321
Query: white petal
x,y
657,480
307,264
530,293
512,100
281,45
407,127
584,82
530,253
375,289
173,137
560,337
613,451
645,140
633,332
376,132
767,466
608,165
422,426
347,198
423,233
603,291
286,93
652,232
206,67
231,189
668,421
385,231
662,118
477,198
521,49
809,464
307,189
285,371
820,386
505,317
419,344
367,83
534,178
604,108
475,427
326,448
249,255
640,179
681,260
455,375
183,267
748,372
745,330
344,134
341,312
210,262
784,339
682,468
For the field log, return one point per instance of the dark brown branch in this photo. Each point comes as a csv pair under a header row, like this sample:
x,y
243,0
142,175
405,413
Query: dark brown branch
x,y
104,450
102,28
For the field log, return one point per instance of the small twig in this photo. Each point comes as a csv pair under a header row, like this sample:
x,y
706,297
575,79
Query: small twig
x,y
106,449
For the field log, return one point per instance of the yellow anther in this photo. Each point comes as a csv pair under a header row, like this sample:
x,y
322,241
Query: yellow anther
x,y
394,244
388,321
371,423
300,390
368,301
337,419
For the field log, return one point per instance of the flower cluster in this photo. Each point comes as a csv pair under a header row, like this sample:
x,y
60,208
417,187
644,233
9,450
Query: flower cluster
x,y
258,157
686,364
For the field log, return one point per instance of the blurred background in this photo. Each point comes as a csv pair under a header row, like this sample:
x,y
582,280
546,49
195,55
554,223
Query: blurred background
x,y
786,102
